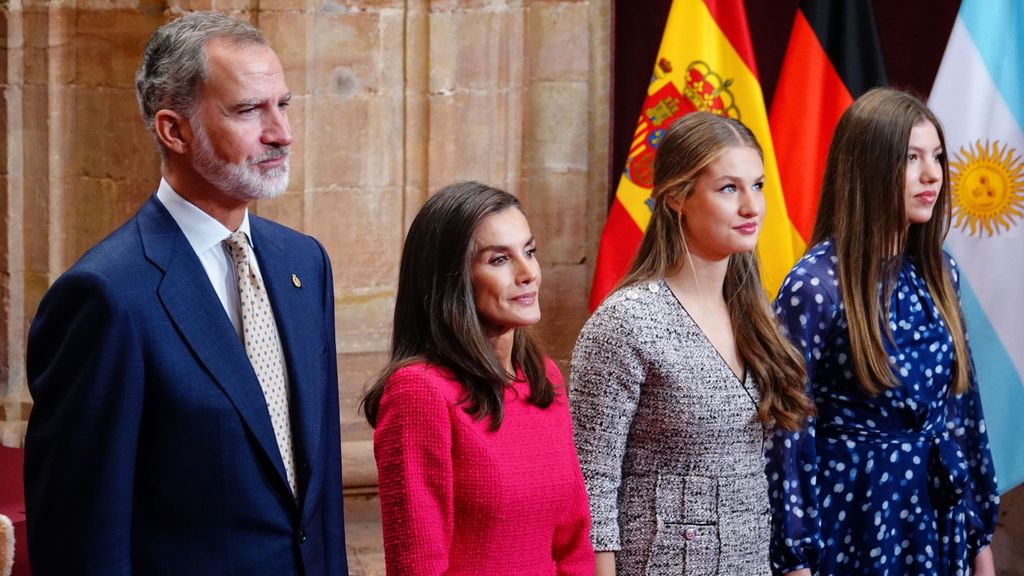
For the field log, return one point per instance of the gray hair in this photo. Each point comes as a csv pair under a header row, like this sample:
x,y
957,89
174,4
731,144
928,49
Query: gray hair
x,y
173,66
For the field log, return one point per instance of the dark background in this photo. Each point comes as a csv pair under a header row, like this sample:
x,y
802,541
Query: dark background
x,y
913,35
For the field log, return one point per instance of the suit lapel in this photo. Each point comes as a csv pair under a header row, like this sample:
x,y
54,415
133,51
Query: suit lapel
x,y
297,320
194,308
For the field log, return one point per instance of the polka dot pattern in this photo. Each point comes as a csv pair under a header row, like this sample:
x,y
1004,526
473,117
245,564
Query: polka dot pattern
x,y
900,483
263,347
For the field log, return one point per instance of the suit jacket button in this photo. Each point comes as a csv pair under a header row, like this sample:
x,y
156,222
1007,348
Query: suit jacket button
x,y
689,534
302,537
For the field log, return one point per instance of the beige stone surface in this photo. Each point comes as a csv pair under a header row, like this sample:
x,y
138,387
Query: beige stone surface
x,y
556,205
290,33
106,46
559,41
358,373
559,116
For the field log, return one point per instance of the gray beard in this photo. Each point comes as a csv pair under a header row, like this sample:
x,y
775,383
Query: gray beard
x,y
242,181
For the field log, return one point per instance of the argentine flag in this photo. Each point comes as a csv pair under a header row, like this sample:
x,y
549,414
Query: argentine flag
x,y
979,97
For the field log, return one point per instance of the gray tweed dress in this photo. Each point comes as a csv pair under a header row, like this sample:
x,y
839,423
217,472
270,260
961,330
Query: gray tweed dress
x,y
670,450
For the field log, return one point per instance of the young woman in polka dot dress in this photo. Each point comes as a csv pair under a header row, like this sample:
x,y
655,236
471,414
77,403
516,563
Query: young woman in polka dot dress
x,y
894,476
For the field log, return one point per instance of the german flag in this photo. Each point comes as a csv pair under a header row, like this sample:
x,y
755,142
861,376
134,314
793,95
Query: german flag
x,y
705,62
833,57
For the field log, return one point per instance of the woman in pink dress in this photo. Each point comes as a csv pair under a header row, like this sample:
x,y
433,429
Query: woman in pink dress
x,y
477,469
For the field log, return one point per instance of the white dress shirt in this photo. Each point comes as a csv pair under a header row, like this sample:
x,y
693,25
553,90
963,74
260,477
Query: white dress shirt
x,y
206,235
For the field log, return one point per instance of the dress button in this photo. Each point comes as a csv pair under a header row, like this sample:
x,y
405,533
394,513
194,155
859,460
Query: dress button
x,y
689,534
302,537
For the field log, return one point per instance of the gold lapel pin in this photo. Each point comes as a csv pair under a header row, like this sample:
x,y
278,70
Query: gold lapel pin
x,y
296,281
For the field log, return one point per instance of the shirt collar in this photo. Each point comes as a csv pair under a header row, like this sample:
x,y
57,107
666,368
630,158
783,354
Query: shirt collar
x,y
202,231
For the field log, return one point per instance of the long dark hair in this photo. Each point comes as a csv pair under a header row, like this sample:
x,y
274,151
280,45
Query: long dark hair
x,y
863,210
688,147
435,314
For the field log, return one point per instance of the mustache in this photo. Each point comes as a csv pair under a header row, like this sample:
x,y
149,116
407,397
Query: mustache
x,y
272,154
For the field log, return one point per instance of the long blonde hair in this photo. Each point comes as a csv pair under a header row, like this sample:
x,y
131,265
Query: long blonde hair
x,y
863,210
687,148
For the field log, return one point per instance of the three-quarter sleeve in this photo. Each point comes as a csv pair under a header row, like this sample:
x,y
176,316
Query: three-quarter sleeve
x,y
806,311
413,448
604,389
966,422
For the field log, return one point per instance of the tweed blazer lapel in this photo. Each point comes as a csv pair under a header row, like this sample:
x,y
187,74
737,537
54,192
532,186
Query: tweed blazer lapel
x,y
195,310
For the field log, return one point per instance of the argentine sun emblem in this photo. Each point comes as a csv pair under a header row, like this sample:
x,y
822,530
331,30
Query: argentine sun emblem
x,y
987,181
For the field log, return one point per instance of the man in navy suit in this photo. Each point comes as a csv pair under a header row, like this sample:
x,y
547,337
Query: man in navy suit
x,y
151,448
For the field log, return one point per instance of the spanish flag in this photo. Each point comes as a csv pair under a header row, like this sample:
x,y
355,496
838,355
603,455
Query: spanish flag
x,y
834,56
705,62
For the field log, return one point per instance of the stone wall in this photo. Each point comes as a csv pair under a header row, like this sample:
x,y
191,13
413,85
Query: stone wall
x,y
392,100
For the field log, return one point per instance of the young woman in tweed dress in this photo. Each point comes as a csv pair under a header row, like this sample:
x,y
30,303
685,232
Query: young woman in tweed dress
x,y
476,464
678,376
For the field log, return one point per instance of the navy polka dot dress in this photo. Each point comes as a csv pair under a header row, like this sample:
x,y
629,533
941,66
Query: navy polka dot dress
x,y
900,483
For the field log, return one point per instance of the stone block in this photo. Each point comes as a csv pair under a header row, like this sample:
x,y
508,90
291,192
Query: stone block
x,y
347,56
235,7
358,467
557,39
34,35
287,209
363,539
357,142
364,319
179,7
556,203
35,143
475,135
361,5
108,46
298,120
563,301
455,5
395,52
476,50
100,4
267,6
558,131
288,33
108,138
88,214
417,50
357,372
361,229
36,284
92,208
443,42
487,41
335,141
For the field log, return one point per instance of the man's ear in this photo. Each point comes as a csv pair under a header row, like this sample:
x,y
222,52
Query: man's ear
x,y
173,130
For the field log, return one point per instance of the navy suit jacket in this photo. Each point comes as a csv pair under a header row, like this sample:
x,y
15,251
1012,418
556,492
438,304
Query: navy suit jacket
x,y
149,449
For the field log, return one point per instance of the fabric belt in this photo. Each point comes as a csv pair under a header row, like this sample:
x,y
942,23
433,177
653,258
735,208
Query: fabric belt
x,y
947,465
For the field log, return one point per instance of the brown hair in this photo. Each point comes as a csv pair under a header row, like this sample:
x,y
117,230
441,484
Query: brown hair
x,y
863,211
687,148
435,313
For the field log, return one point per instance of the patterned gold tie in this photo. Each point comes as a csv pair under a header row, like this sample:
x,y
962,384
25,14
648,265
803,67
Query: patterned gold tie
x,y
262,345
